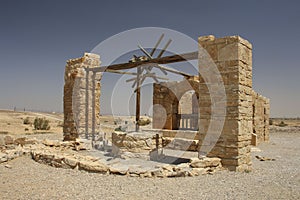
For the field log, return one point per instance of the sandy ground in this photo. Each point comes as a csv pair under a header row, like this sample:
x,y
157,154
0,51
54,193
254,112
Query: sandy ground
x,y
289,121
12,122
23,178
279,179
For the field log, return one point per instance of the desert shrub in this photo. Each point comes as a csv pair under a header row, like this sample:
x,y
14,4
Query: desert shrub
x,y
60,124
26,129
26,120
120,128
41,124
271,122
144,122
282,124
117,121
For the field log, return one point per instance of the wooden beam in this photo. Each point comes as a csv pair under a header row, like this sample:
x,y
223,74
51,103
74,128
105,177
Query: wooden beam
x,y
152,75
138,101
120,72
163,60
173,70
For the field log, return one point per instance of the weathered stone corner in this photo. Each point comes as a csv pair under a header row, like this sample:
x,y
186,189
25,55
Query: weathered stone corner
x,y
81,96
247,113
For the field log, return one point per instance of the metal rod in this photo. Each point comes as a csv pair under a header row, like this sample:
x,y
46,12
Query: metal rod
x,y
131,79
150,57
152,75
144,51
173,70
156,45
133,85
164,49
120,72
145,76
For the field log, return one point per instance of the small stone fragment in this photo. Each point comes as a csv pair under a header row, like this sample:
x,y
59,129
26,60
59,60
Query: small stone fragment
x,y
8,166
8,140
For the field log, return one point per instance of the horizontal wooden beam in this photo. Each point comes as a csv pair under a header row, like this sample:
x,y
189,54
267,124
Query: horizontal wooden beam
x,y
120,72
163,60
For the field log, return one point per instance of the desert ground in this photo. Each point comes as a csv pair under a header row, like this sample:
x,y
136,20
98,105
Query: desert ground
x,y
278,178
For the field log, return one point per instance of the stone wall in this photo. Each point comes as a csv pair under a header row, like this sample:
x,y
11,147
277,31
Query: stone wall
x,y
81,97
261,115
188,103
232,58
167,95
134,142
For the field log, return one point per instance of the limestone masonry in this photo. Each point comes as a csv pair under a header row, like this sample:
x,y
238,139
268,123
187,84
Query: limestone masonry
x,y
246,112
81,97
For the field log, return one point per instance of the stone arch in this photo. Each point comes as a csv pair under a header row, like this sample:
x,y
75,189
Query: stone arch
x,y
188,111
168,95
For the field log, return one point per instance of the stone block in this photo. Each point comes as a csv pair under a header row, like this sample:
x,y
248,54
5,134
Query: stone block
x,y
8,140
96,167
228,52
75,94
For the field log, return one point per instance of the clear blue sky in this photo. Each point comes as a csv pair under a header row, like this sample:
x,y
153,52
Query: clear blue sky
x,y
37,37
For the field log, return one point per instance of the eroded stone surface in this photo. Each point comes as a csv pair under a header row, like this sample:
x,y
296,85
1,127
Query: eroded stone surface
x,y
246,113
134,142
64,155
81,97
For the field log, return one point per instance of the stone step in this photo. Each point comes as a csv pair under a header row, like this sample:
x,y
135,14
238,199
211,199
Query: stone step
x,y
180,144
180,153
186,134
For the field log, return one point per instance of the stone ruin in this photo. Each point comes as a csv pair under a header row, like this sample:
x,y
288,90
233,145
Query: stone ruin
x,y
81,97
246,118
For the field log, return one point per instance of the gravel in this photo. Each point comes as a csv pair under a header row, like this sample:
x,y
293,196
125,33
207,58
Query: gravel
x,y
279,179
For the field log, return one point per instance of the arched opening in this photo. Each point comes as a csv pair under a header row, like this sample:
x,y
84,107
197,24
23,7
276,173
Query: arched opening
x,y
188,110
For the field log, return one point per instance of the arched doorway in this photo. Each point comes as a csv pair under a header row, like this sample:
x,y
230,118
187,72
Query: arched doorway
x,y
188,110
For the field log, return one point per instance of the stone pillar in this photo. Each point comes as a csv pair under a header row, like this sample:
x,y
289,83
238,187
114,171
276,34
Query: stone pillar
x,y
165,106
233,58
267,119
82,97
261,114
